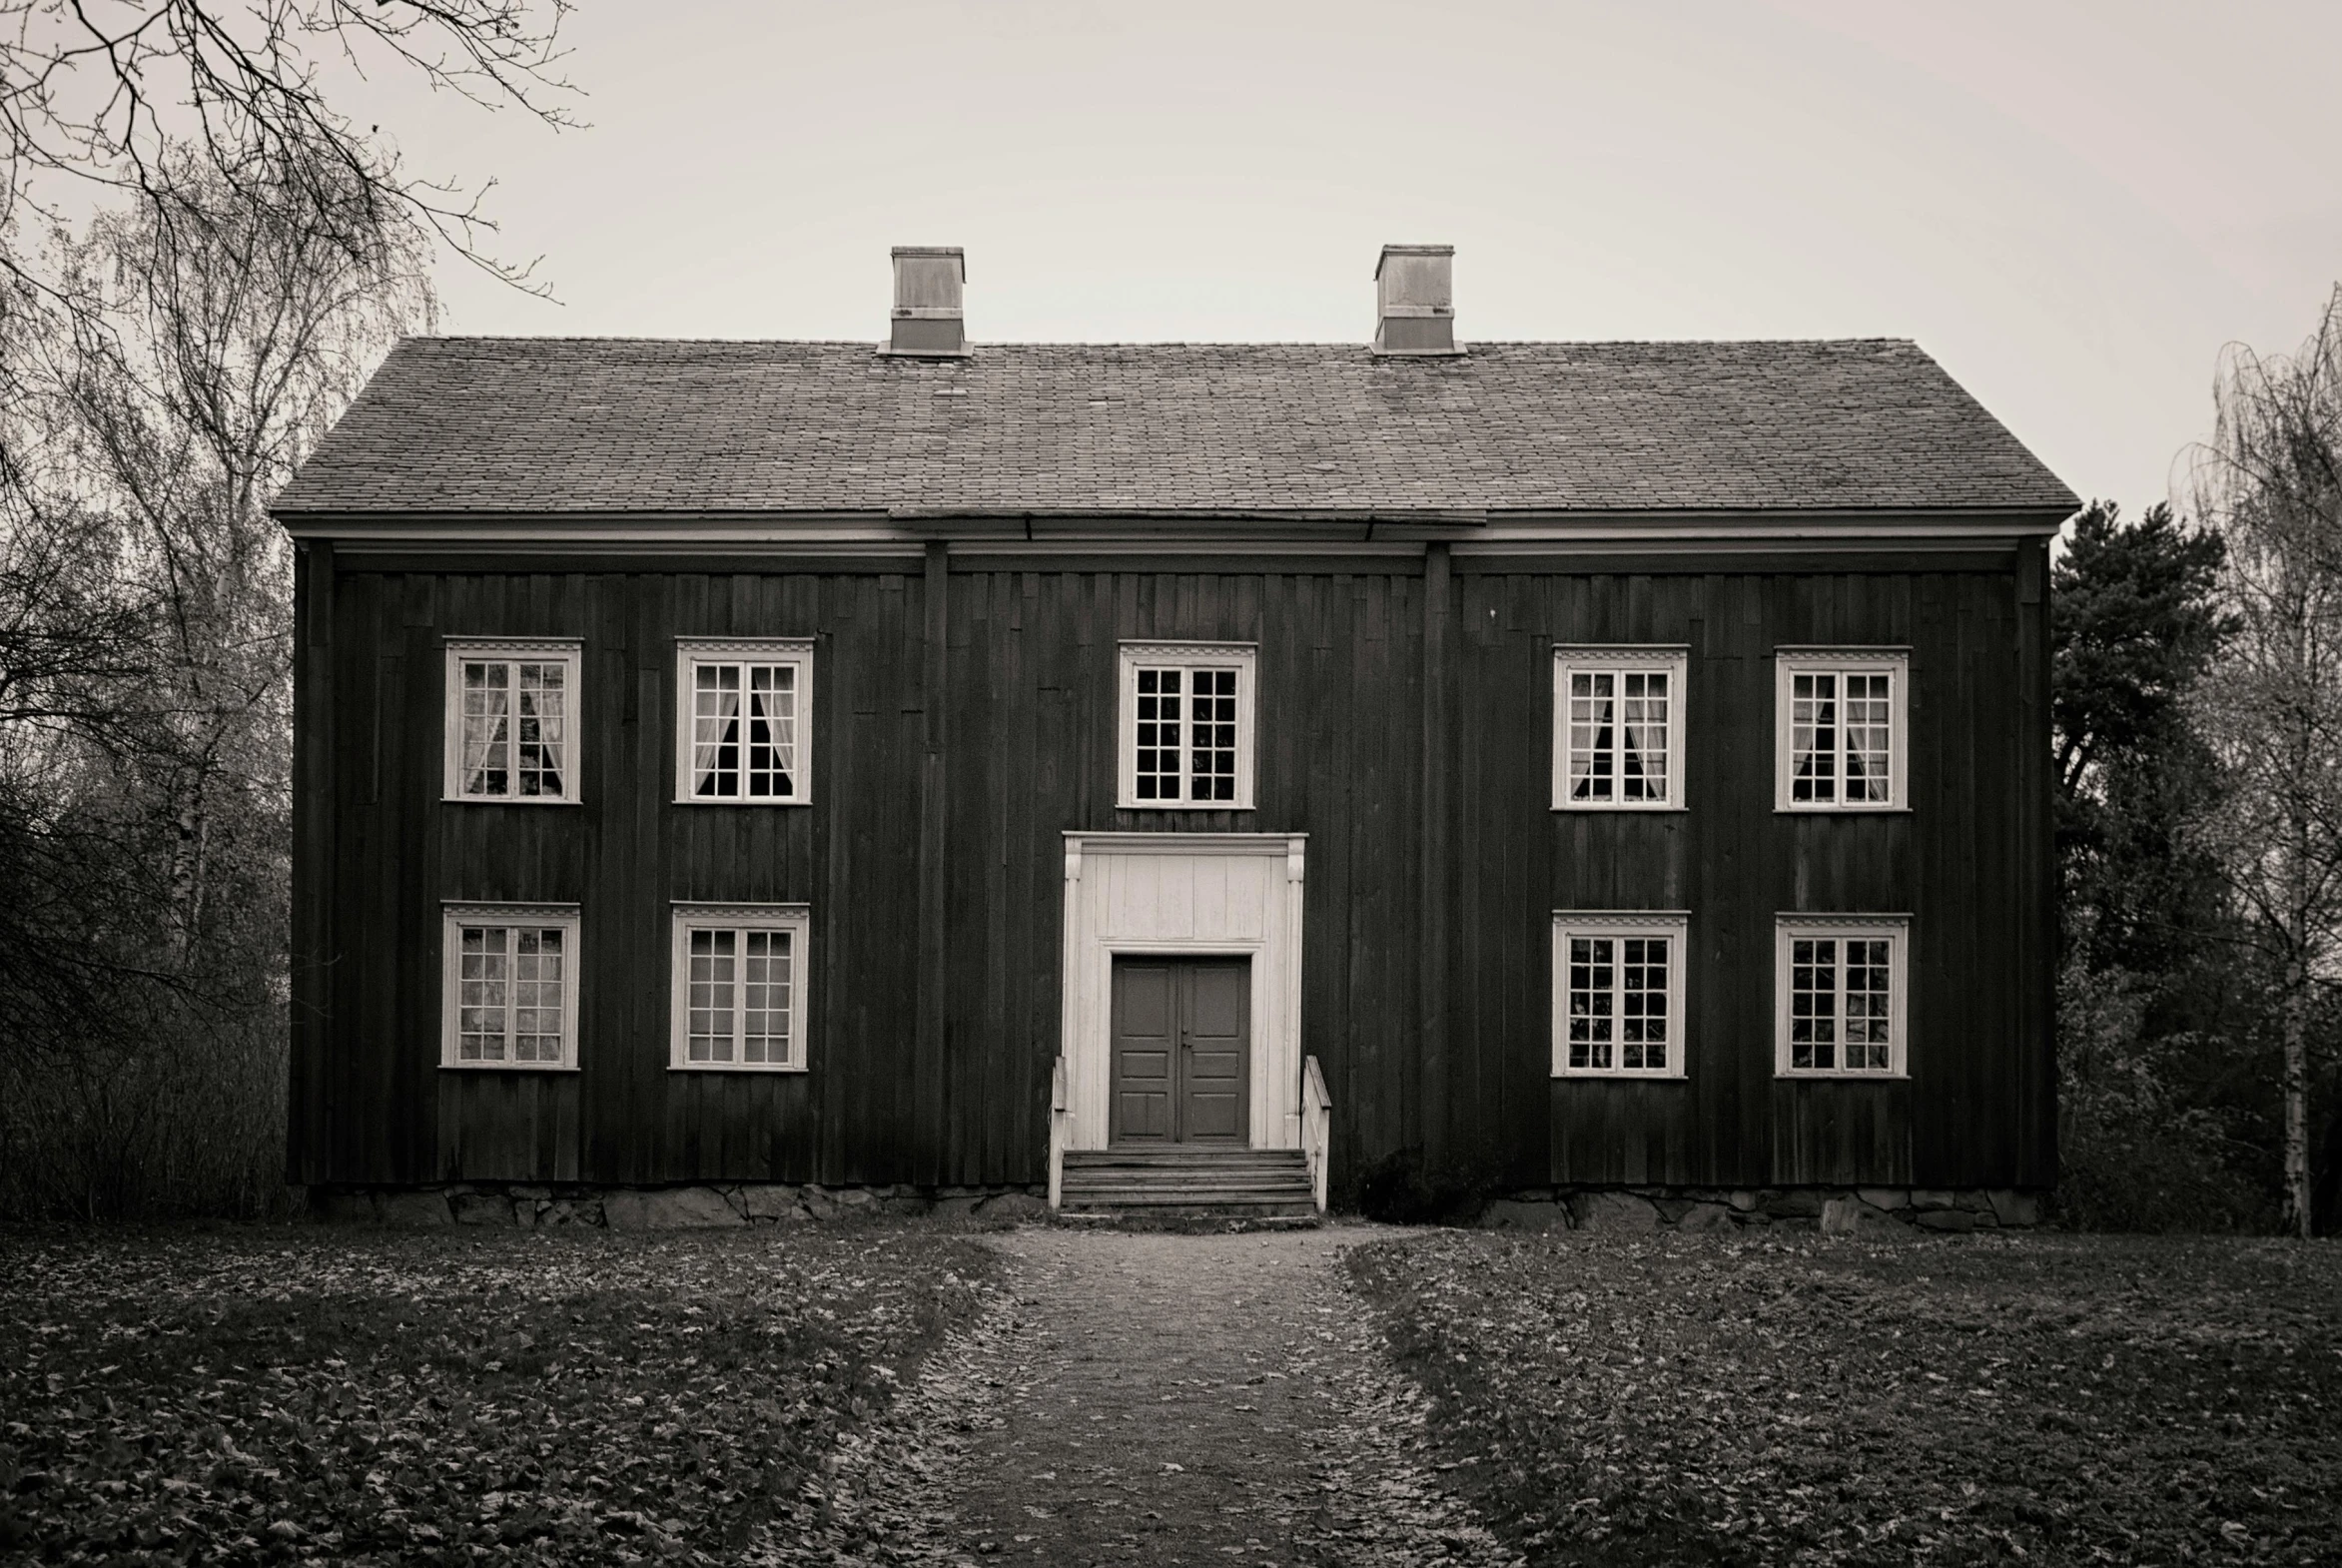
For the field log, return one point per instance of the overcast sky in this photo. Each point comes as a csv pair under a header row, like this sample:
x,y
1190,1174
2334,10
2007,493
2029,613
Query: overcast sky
x,y
2072,206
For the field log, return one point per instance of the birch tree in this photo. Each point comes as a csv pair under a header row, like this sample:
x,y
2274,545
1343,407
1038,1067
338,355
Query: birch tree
x,y
201,254
2270,479
145,657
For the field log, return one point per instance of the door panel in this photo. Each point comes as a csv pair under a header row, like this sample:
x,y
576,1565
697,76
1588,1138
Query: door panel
x,y
1145,1053
1182,1052
1217,1007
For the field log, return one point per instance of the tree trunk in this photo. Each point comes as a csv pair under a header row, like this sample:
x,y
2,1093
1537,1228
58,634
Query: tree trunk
x,y
2297,1000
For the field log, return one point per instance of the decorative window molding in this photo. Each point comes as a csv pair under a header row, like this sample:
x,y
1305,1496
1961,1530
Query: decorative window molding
x,y
1618,728
725,683
509,987
1617,992
1185,726
1842,729
737,978
512,731
1840,996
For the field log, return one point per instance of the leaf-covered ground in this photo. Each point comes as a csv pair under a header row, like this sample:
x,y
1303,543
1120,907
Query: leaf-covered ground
x,y
368,1396
2036,1399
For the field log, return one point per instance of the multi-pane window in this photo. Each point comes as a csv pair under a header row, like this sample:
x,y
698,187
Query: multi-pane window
x,y
512,729
1839,1004
510,976
745,720
1187,726
1618,993
739,987
1617,729
1842,730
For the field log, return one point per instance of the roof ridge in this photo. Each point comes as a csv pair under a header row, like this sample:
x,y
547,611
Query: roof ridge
x,y
872,345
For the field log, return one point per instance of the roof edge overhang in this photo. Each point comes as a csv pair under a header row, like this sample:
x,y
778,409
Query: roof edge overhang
x,y
831,533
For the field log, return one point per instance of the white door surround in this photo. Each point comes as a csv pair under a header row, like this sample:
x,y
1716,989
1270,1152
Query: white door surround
x,y
1187,894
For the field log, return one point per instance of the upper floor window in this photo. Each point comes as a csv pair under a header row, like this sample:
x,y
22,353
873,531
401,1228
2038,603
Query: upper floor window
x,y
1186,725
510,986
512,710
1842,729
1618,993
738,979
1838,987
745,720
1617,729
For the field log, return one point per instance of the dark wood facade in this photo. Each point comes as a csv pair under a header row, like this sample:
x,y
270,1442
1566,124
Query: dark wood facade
x,y
965,720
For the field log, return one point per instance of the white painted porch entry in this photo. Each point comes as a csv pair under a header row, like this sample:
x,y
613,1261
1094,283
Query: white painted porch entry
x,y
1184,895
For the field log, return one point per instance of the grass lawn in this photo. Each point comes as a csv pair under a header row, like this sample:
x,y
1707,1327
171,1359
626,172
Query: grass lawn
x,y
369,1396
2046,1400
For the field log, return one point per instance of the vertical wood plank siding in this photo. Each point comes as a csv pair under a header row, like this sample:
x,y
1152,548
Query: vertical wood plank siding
x,y
933,1006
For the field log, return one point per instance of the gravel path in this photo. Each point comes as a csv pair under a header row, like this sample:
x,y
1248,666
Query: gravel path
x,y
1150,1399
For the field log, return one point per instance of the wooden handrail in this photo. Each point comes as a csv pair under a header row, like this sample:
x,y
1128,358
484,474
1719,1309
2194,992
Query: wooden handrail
x,y
1061,1127
1317,1127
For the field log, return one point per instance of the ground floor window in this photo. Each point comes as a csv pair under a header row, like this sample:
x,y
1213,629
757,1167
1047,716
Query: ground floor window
x,y
1838,987
509,974
1618,993
739,972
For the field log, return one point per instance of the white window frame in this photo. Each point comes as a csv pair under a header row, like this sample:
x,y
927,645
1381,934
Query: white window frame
x,y
1190,656
796,920
1895,929
796,652
454,917
1788,664
1674,926
1673,662
567,652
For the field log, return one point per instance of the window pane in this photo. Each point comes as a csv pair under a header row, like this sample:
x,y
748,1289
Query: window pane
x,y
773,731
1642,1002
1868,720
481,997
1813,737
1159,739
1813,1002
715,731
1593,752
764,1003
487,737
1867,994
710,1002
536,995
1643,715
1593,979
1212,729
541,704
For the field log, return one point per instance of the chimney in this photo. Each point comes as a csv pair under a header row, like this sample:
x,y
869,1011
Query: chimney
x,y
927,320
1414,297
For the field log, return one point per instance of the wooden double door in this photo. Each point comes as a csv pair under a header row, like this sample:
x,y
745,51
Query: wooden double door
x,y
1183,1051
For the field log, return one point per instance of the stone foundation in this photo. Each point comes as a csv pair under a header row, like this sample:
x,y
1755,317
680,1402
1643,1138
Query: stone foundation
x,y
1834,1211
525,1206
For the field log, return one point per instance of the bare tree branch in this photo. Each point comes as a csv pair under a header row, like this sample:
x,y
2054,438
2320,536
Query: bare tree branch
x,y
2271,481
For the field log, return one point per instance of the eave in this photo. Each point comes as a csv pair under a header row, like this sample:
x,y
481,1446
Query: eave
x,y
908,530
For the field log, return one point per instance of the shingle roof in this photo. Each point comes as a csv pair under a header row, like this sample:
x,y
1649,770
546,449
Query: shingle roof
x,y
599,425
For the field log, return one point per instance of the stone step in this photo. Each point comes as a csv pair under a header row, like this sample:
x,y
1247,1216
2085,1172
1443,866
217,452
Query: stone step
x,y
1273,1181
1186,1195
1098,1183
1175,1188
1188,1180
1189,1156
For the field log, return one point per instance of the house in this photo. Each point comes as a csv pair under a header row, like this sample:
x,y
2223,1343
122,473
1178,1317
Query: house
x,y
1605,773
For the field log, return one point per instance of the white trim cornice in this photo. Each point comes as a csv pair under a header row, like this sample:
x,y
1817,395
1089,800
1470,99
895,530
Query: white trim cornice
x,y
1292,845
904,530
